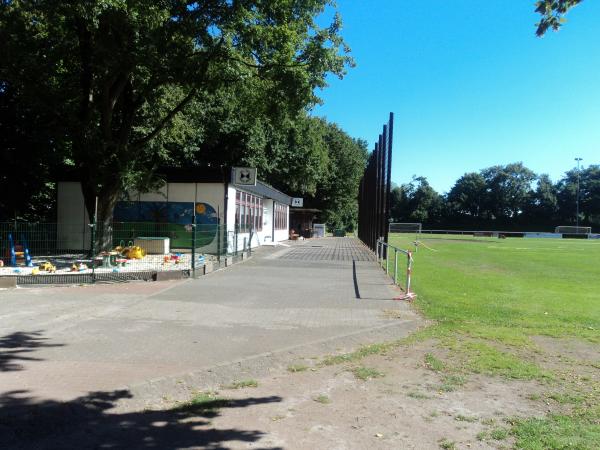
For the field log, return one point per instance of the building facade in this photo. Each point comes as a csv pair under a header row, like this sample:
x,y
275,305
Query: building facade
x,y
227,216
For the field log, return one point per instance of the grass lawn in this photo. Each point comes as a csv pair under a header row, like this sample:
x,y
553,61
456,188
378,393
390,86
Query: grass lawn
x,y
490,297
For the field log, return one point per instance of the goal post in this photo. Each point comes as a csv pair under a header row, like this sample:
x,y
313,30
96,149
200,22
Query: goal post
x,y
401,227
570,229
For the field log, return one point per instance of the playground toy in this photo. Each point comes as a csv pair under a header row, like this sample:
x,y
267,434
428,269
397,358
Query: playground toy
x,y
129,251
47,267
134,252
109,259
174,258
19,253
78,267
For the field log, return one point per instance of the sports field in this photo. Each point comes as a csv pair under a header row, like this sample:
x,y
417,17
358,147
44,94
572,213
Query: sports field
x,y
502,306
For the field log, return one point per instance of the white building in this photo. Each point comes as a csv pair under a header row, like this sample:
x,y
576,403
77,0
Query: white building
x,y
239,211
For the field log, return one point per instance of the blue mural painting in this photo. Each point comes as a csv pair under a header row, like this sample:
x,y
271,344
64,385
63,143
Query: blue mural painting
x,y
165,212
171,219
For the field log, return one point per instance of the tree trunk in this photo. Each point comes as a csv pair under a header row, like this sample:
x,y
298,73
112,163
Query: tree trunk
x,y
107,199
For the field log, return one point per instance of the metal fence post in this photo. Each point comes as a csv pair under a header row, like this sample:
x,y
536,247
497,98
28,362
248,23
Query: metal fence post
x,y
408,271
93,249
387,260
194,246
395,266
250,241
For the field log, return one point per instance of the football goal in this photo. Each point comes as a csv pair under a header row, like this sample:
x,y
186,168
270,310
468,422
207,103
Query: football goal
x,y
570,229
397,227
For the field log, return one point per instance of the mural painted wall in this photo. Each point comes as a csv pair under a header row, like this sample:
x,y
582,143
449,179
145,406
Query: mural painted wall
x,y
165,219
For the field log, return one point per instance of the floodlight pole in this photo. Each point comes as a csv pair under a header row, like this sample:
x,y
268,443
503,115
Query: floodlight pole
x,y
577,195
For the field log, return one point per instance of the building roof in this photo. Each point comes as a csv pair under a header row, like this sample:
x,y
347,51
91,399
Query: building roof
x,y
169,174
203,175
264,190
304,210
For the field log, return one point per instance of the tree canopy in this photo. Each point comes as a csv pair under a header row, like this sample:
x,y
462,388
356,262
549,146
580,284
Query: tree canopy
x,y
116,78
552,14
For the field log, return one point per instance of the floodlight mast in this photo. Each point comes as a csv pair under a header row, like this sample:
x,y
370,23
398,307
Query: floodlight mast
x,y
577,195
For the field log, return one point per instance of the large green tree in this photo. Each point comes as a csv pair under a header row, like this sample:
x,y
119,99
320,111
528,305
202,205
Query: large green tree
x,y
336,193
236,126
543,208
416,201
468,194
508,190
117,74
589,196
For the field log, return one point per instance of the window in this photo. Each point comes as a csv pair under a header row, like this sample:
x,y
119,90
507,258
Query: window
x,y
248,212
280,216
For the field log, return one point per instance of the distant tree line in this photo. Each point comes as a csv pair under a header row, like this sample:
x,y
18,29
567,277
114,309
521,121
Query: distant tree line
x,y
510,197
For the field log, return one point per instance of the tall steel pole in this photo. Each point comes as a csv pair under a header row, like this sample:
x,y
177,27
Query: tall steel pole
x,y
577,195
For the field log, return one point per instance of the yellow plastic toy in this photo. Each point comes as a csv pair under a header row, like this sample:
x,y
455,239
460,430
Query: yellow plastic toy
x,y
47,267
135,252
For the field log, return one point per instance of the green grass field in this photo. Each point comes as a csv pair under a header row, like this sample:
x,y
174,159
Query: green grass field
x,y
491,297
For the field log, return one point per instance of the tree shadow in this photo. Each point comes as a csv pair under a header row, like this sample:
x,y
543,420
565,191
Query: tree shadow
x,y
84,423
27,422
16,346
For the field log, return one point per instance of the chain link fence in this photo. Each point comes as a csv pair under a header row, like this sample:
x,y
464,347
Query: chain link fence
x,y
63,253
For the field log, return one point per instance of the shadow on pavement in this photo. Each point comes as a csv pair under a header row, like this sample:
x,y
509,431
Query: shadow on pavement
x,y
27,422
84,423
16,346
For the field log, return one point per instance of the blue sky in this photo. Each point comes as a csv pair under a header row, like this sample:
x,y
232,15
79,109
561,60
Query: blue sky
x,y
470,85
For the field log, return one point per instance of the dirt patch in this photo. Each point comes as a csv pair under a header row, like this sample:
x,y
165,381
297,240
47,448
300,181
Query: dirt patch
x,y
570,348
405,396
410,406
409,396
574,360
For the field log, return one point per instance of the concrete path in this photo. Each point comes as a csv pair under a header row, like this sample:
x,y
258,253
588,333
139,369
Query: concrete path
x,y
313,296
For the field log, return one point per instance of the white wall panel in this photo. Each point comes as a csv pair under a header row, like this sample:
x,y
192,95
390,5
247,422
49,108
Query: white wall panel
x,y
158,195
73,232
181,192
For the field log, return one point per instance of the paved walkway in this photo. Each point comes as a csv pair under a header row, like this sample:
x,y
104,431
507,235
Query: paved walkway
x,y
61,343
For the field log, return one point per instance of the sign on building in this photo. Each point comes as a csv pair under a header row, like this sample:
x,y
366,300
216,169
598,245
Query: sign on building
x,y
298,202
245,176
